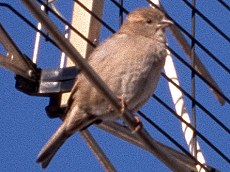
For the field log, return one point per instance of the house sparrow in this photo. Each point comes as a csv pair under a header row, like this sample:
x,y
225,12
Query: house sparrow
x,y
129,62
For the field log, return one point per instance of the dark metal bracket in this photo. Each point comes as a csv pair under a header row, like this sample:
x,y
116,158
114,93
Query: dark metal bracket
x,y
35,81
50,82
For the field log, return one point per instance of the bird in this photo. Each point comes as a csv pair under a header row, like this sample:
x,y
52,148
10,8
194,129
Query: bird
x,y
129,62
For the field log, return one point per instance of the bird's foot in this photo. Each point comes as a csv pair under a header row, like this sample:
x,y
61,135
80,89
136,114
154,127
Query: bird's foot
x,y
123,107
138,126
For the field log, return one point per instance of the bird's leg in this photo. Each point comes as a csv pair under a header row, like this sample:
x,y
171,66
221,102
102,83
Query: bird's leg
x,y
123,107
123,104
139,124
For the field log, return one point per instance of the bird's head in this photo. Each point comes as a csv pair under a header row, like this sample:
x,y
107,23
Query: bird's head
x,y
148,22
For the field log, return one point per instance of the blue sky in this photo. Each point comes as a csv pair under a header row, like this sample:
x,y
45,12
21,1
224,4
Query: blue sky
x,y
25,128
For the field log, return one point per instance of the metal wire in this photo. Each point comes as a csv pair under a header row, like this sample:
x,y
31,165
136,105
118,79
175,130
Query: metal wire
x,y
207,21
120,6
29,23
199,105
121,17
224,4
201,77
219,152
170,138
209,53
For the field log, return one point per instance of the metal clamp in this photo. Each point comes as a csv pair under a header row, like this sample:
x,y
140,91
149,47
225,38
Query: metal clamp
x,y
35,81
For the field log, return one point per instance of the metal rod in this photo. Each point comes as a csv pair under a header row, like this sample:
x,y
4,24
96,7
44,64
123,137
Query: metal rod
x,y
193,80
98,152
15,60
37,39
63,58
124,133
121,12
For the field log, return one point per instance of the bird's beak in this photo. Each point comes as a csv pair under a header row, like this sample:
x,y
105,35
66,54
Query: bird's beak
x,y
165,23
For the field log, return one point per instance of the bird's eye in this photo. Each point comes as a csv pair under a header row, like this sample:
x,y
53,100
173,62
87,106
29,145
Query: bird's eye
x,y
149,21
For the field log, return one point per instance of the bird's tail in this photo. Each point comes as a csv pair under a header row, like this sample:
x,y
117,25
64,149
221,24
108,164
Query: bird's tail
x,y
52,146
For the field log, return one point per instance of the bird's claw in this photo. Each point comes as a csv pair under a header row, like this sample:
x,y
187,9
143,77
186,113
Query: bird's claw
x,y
138,126
138,121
